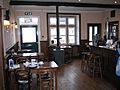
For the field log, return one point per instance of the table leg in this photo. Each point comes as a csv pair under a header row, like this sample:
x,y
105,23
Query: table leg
x,y
56,87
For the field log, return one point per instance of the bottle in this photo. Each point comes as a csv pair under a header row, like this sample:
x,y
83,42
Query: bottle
x,y
11,63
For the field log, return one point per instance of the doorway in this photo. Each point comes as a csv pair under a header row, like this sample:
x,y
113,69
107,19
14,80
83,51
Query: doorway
x,y
29,37
93,29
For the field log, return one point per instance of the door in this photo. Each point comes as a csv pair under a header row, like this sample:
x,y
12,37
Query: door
x,y
93,30
29,38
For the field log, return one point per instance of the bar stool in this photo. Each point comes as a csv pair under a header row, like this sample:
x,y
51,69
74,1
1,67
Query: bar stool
x,y
94,65
84,62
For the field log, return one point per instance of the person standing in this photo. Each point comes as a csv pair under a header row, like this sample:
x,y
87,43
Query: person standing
x,y
96,40
118,70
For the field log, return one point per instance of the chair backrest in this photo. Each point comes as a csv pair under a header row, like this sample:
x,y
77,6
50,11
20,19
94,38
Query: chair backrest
x,y
22,76
41,57
20,60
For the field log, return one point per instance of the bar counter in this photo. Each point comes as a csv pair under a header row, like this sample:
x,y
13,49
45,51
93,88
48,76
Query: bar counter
x,y
109,60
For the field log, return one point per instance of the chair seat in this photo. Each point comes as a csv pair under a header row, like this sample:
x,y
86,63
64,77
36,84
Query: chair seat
x,y
23,81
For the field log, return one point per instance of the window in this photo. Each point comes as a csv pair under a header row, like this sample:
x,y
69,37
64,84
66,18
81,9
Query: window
x,y
68,28
28,21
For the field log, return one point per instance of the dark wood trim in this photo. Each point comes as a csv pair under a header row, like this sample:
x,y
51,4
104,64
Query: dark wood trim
x,y
83,41
57,16
38,3
79,28
44,48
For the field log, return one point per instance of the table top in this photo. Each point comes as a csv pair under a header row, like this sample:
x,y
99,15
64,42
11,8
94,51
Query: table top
x,y
38,65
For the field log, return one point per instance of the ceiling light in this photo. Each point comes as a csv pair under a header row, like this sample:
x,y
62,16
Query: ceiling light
x,y
115,2
79,0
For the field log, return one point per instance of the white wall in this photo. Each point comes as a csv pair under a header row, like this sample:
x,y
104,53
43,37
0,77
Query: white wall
x,y
8,33
89,17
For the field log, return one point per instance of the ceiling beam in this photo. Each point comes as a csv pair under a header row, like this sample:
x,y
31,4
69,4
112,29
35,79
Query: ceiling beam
x,y
38,3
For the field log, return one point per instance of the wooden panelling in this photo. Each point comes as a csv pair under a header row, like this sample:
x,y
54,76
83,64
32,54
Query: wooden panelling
x,y
44,48
109,60
82,42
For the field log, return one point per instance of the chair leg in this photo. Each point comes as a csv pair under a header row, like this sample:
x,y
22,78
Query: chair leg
x,y
51,84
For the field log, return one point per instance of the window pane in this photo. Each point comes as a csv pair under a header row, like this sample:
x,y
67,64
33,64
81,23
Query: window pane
x,y
28,35
95,30
71,21
28,21
72,39
62,21
90,33
71,31
53,31
54,38
63,39
62,31
52,21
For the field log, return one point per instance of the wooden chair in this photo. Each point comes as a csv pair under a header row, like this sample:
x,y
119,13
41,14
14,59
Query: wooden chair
x,y
21,60
23,78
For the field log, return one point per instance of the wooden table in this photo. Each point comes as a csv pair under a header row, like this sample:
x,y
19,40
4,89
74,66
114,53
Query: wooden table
x,y
51,67
47,67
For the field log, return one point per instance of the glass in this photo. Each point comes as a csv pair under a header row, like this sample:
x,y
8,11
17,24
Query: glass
x,y
29,34
72,39
62,21
53,20
28,21
90,33
54,38
63,39
62,31
95,30
71,31
71,21
53,31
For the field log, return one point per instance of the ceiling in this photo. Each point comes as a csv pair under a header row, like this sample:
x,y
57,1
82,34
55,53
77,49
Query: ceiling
x,y
84,5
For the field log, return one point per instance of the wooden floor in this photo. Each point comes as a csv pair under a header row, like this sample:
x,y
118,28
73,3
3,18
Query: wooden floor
x,y
70,77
